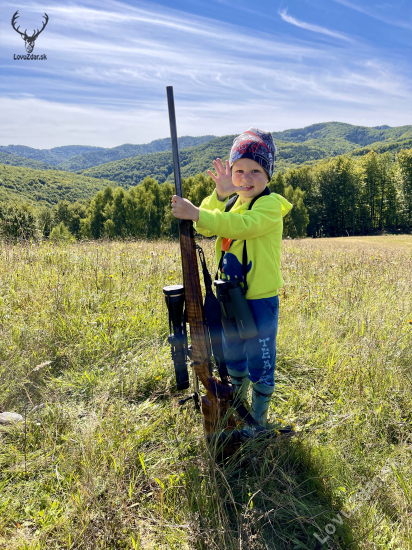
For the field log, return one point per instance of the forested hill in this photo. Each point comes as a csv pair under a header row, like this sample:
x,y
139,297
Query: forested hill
x,y
15,160
338,138
193,160
95,158
296,147
52,156
72,158
309,145
360,136
46,187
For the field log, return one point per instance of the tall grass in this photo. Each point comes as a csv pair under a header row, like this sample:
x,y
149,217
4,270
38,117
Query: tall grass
x,y
107,459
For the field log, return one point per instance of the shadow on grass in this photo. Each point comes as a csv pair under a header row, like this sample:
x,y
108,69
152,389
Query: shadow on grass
x,y
266,496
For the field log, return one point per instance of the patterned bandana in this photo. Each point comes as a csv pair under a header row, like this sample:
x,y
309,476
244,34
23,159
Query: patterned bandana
x,y
256,145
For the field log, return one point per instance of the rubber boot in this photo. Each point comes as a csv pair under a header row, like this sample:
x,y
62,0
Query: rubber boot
x,y
240,383
261,396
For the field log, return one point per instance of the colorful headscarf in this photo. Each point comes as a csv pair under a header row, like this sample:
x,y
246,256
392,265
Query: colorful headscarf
x,y
256,145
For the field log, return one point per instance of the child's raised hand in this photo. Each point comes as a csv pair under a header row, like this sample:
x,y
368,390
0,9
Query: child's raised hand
x,y
222,179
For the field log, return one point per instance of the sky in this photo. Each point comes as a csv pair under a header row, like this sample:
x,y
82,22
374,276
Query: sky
x,y
233,64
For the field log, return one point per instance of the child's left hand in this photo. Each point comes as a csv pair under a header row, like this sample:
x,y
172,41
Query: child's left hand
x,y
184,209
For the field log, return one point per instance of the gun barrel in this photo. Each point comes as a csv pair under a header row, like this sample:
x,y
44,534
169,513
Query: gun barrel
x,y
173,135
213,412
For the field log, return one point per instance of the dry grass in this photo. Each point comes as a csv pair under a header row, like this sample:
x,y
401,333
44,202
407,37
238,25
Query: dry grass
x,y
111,461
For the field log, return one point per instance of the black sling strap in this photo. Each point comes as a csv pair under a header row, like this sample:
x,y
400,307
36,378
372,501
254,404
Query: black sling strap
x,y
213,315
228,207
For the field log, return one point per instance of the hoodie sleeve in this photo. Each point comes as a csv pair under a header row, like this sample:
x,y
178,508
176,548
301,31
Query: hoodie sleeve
x,y
286,205
210,204
267,212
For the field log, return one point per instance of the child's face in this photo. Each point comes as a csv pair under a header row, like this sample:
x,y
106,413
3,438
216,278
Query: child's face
x,y
249,177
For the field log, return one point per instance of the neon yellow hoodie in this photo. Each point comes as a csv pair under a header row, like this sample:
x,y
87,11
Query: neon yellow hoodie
x,y
262,228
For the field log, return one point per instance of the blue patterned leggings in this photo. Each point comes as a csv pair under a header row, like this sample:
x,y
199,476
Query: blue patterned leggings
x,y
256,356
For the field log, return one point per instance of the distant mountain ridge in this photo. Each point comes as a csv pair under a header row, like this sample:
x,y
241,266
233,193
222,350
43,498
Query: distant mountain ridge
x,y
50,156
193,160
27,162
95,158
39,180
360,136
72,158
295,147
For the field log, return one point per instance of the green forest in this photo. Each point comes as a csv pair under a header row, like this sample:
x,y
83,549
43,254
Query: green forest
x,y
345,195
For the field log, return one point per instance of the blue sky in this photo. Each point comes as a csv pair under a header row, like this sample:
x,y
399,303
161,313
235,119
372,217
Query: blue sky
x,y
275,64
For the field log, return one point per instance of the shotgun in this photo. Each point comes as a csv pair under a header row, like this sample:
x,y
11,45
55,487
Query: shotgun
x,y
189,296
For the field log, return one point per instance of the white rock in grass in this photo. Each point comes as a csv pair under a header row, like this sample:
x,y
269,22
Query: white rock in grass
x,y
10,418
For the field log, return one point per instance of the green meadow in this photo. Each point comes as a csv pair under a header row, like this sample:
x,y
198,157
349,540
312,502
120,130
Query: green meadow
x,y
105,458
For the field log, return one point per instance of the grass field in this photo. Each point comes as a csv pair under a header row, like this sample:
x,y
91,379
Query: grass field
x,y
106,458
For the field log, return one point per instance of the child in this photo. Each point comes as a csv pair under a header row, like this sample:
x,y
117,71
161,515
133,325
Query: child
x,y
247,173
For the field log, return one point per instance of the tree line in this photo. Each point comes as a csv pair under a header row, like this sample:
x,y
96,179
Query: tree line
x,y
357,196
143,211
341,196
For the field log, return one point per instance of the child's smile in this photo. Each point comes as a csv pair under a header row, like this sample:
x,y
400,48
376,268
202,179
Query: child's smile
x,y
249,177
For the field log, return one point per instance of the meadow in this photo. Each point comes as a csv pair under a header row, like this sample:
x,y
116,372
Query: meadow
x,y
106,459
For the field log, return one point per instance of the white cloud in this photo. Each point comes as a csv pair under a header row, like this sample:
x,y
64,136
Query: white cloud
x,y
310,27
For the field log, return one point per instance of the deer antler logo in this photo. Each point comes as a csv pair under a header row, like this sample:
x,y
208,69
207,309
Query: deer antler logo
x,y
28,40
